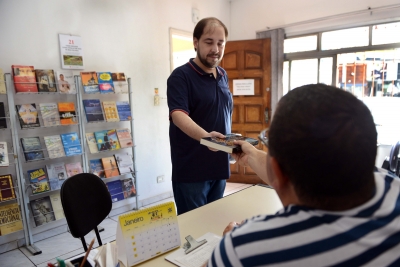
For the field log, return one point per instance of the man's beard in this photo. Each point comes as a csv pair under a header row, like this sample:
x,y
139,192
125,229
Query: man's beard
x,y
206,63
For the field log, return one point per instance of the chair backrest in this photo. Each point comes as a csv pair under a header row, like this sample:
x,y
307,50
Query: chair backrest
x,y
86,203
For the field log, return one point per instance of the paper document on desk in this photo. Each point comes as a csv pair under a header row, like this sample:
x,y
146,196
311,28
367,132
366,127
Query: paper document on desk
x,y
197,257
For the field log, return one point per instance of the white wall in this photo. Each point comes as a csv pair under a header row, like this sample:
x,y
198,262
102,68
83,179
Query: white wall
x,y
250,16
130,36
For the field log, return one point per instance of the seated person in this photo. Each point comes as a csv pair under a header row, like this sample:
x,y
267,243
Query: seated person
x,y
339,210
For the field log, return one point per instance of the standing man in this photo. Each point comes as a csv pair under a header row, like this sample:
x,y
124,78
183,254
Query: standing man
x,y
200,105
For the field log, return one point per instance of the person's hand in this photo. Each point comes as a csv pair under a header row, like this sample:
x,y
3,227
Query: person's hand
x,y
215,134
231,226
247,149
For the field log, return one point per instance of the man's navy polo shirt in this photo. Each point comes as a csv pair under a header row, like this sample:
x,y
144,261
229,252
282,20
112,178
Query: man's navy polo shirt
x,y
208,102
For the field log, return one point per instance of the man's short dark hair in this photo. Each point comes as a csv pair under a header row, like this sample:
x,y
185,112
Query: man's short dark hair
x,y
202,24
324,140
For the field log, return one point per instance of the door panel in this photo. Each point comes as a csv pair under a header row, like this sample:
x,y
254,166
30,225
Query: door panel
x,y
250,59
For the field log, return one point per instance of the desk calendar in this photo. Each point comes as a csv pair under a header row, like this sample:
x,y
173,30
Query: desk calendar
x,y
147,233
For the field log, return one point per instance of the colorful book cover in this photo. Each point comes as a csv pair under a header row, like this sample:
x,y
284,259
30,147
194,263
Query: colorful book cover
x,y
24,79
7,191
93,110
125,162
50,115
4,155
67,113
110,167
91,142
3,121
65,82
57,174
71,143
54,146
3,89
10,219
90,82
115,189
38,179
106,84
32,148
102,140
55,200
42,210
120,84
124,137
28,116
46,81
113,139
73,168
96,167
128,187
110,110
124,110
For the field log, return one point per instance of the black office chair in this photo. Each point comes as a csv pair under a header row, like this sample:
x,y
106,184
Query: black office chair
x,y
391,163
86,203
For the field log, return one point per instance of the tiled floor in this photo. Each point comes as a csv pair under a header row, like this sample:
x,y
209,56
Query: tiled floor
x,y
65,246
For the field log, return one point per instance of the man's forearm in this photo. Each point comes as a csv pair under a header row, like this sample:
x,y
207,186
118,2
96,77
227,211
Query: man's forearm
x,y
188,126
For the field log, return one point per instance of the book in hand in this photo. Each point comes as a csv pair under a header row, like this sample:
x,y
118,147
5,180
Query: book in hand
x,y
3,121
28,116
125,162
91,142
24,79
119,80
32,148
96,167
46,81
110,167
124,137
115,189
42,210
128,187
38,180
3,89
226,144
73,168
110,110
93,110
106,84
65,82
90,82
50,115
57,174
71,143
124,110
10,219
7,191
4,154
67,113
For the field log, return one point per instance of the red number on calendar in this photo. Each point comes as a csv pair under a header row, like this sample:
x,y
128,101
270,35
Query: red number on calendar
x,y
71,41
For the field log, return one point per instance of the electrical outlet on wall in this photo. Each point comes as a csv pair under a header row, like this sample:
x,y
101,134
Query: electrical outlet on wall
x,y
195,15
160,179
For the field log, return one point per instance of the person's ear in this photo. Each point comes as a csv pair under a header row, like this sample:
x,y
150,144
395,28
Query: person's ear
x,y
281,179
195,43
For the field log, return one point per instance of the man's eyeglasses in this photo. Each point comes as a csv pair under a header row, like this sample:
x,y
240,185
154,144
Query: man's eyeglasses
x,y
263,136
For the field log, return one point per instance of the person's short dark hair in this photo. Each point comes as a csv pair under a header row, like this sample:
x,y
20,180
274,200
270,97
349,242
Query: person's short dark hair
x,y
324,139
202,24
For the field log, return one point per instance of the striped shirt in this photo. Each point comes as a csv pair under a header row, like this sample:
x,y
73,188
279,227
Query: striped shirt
x,y
368,235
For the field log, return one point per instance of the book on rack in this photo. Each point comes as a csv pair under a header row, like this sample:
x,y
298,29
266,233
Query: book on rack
x,y
110,110
96,167
4,155
67,113
46,81
38,179
90,82
91,142
128,187
57,174
32,148
106,84
28,116
50,115
24,79
42,210
113,139
65,82
124,110
110,167
10,219
7,191
119,80
71,143
73,168
124,162
102,140
226,144
54,146
115,189
3,90
124,137
93,110
55,200
3,121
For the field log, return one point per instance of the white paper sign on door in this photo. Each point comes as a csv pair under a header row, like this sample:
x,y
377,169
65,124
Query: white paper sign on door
x,y
243,87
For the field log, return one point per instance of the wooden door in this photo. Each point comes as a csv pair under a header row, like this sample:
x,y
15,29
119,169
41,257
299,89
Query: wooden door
x,y
249,59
